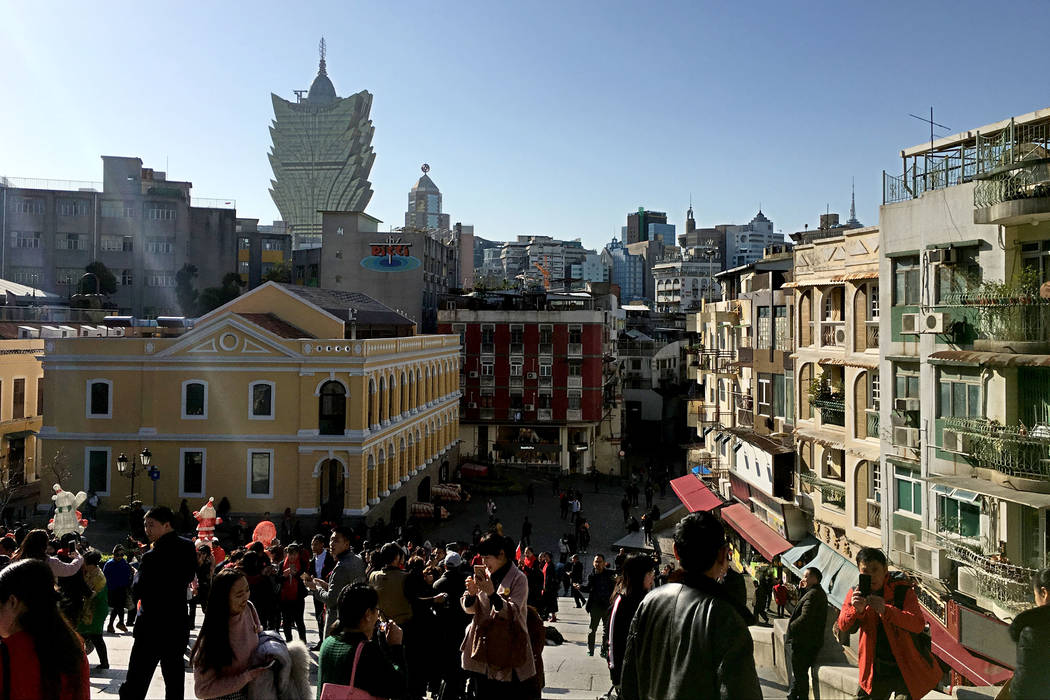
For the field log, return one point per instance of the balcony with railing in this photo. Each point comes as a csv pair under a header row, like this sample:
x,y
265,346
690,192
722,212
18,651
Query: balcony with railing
x,y
1013,178
874,514
574,382
573,414
546,348
832,407
488,348
1007,583
575,349
1007,316
517,348
488,380
871,422
487,413
1013,450
871,335
833,334
516,381
544,414
718,361
743,404
832,493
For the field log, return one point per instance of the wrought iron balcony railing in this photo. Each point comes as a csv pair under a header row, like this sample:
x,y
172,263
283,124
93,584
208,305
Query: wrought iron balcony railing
x,y
874,514
871,335
1013,313
1003,581
832,494
832,411
1013,450
872,422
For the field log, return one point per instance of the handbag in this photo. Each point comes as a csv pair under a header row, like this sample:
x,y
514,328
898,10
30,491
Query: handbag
x,y
334,691
500,642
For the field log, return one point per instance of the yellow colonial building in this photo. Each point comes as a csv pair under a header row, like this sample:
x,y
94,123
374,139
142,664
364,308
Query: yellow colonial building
x,y
322,401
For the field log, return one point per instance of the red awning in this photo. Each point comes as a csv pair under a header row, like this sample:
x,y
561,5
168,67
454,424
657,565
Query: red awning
x,y
694,494
973,668
768,543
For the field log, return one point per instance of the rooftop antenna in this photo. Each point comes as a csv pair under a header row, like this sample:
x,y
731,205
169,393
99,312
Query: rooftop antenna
x,y
931,123
321,49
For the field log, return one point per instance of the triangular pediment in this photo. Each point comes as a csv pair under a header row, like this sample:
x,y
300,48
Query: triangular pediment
x,y
229,337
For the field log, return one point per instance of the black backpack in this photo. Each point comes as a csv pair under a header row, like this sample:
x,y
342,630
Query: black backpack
x,y
922,640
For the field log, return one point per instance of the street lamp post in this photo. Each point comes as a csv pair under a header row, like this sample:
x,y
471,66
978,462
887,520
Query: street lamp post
x,y
132,468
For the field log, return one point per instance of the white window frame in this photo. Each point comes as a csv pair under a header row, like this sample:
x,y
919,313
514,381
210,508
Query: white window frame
x,y
183,493
251,401
182,399
899,476
87,398
87,467
248,482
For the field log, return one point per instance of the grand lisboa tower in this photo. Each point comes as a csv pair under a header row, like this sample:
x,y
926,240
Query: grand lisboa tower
x,y
321,155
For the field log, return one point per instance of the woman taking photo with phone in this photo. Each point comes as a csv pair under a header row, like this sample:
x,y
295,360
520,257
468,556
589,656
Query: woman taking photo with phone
x,y
221,658
352,655
496,649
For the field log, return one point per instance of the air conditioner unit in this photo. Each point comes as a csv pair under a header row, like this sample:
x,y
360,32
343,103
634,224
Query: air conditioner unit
x,y
473,375
472,405
910,323
952,441
903,541
934,322
530,407
942,256
968,583
778,426
840,336
532,375
907,404
906,437
931,561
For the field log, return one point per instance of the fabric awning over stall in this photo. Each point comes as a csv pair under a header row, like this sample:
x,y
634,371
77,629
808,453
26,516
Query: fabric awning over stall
x,y
768,543
694,494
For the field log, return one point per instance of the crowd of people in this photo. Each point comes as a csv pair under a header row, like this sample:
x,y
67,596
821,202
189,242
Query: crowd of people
x,y
455,621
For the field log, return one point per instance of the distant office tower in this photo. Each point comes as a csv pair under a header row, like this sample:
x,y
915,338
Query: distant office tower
x,y
321,156
746,243
424,205
626,270
646,225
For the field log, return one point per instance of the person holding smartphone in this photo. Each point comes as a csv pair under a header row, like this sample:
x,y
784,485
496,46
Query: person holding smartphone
x,y
890,662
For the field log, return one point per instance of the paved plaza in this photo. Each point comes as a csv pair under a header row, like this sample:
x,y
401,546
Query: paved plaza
x,y
570,673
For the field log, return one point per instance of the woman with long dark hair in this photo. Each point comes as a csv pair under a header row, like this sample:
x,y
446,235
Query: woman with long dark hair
x,y
221,658
35,545
1031,633
47,653
374,671
636,579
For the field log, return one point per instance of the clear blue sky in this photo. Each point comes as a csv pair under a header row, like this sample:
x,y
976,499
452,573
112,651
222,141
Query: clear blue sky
x,y
536,117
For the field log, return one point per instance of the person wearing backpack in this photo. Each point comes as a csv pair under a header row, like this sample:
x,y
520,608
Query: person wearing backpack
x,y
890,620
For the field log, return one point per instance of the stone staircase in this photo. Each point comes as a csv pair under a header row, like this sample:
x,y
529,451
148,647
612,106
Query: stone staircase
x,y
836,669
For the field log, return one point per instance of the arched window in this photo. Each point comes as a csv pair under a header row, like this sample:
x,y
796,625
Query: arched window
x,y
331,418
195,399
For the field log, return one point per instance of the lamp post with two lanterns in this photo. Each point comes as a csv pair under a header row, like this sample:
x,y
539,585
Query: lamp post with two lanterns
x,y
132,468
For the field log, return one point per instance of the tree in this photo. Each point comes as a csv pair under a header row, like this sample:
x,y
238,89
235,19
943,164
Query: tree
x,y
214,297
107,281
281,272
184,291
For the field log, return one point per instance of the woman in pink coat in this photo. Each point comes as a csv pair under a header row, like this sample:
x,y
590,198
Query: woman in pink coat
x,y
498,592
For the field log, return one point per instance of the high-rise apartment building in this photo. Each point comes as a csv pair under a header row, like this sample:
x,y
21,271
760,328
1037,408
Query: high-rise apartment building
x,y
321,156
627,271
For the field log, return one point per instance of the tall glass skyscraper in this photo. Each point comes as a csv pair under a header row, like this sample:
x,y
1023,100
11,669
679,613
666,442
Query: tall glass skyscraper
x,y
321,156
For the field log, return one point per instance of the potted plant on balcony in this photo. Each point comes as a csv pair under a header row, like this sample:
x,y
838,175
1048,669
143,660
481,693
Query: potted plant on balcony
x,y
1012,316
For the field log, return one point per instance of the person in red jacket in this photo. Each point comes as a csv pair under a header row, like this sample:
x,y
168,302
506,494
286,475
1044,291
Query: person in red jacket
x,y
45,658
780,596
890,662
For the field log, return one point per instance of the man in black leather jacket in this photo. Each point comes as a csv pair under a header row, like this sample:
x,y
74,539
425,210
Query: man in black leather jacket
x,y
687,639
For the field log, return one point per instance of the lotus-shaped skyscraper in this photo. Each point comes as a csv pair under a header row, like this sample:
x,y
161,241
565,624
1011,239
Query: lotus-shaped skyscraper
x,y
321,156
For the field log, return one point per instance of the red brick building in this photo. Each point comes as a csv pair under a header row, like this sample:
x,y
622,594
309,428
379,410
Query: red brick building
x,y
539,380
